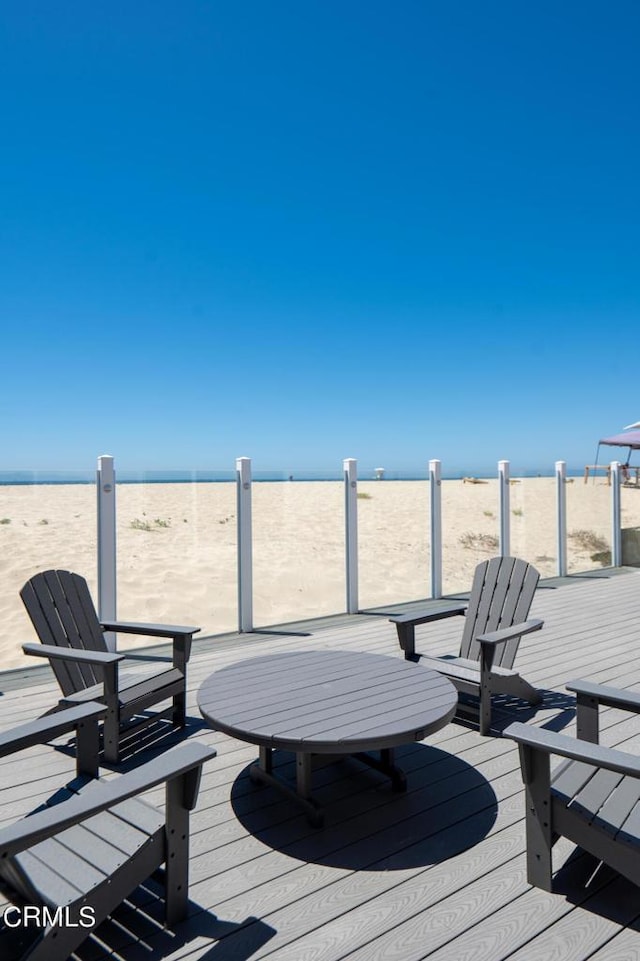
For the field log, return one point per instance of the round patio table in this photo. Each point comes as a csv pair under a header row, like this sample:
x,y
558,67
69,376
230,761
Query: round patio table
x,y
326,702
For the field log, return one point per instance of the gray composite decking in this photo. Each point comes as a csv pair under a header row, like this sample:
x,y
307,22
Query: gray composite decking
x,y
438,872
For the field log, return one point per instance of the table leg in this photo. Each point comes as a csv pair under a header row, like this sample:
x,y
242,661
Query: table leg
x,y
385,764
262,772
266,759
263,767
303,775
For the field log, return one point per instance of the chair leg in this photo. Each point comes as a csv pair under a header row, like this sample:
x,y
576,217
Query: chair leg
x,y
111,728
180,710
407,640
485,709
177,858
539,816
111,738
539,864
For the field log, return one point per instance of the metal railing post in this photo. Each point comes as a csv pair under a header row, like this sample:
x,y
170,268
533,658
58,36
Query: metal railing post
x,y
106,517
616,515
435,506
245,545
561,516
350,466
505,529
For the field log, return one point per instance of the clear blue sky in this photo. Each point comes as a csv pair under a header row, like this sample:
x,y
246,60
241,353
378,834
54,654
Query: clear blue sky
x,y
308,230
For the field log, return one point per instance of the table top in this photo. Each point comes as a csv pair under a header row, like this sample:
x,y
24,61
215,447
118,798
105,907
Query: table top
x,y
327,701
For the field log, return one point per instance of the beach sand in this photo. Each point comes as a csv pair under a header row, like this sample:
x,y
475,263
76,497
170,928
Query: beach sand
x,y
176,545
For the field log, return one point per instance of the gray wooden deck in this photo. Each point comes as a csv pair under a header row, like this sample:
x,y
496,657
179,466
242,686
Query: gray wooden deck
x,y
437,873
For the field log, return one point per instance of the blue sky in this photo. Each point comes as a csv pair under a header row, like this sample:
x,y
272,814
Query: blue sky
x,y
304,231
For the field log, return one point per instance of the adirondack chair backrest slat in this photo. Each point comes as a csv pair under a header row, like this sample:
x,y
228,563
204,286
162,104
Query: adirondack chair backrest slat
x,y
83,621
62,612
501,595
49,632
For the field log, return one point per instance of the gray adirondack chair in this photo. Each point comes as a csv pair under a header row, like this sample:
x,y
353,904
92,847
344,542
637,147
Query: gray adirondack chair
x,y
592,797
495,620
87,853
63,614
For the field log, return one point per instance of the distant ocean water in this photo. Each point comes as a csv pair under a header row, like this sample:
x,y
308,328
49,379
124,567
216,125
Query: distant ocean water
x,y
26,477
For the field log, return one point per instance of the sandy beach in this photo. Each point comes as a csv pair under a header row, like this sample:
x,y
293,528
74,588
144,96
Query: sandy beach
x,y
177,544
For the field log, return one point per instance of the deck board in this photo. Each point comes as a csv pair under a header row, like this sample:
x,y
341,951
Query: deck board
x,y
437,873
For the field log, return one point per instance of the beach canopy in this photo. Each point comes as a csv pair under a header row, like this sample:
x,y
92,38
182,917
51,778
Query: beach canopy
x,y
628,438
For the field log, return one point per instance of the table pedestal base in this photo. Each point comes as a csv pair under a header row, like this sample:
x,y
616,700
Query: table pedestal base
x,y
385,764
262,772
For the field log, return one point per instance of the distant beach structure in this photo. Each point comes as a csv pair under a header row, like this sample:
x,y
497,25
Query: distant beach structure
x,y
379,472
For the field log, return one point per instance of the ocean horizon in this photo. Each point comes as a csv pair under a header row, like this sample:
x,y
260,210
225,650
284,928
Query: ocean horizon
x,y
36,477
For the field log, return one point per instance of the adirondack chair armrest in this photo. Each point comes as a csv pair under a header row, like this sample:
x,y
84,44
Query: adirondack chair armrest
x,y
83,719
548,742
489,641
181,635
97,658
106,661
590,696
609,696
506,633
153,630
180,761
423,617
406,625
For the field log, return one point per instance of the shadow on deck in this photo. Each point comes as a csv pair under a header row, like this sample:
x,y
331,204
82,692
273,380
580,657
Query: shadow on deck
x,y
438,872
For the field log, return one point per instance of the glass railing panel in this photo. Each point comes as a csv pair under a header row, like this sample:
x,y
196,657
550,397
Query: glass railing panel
x,y
630,517
298,546
47,520
176,551
177,540
393,539
588,523
533,519
470,528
